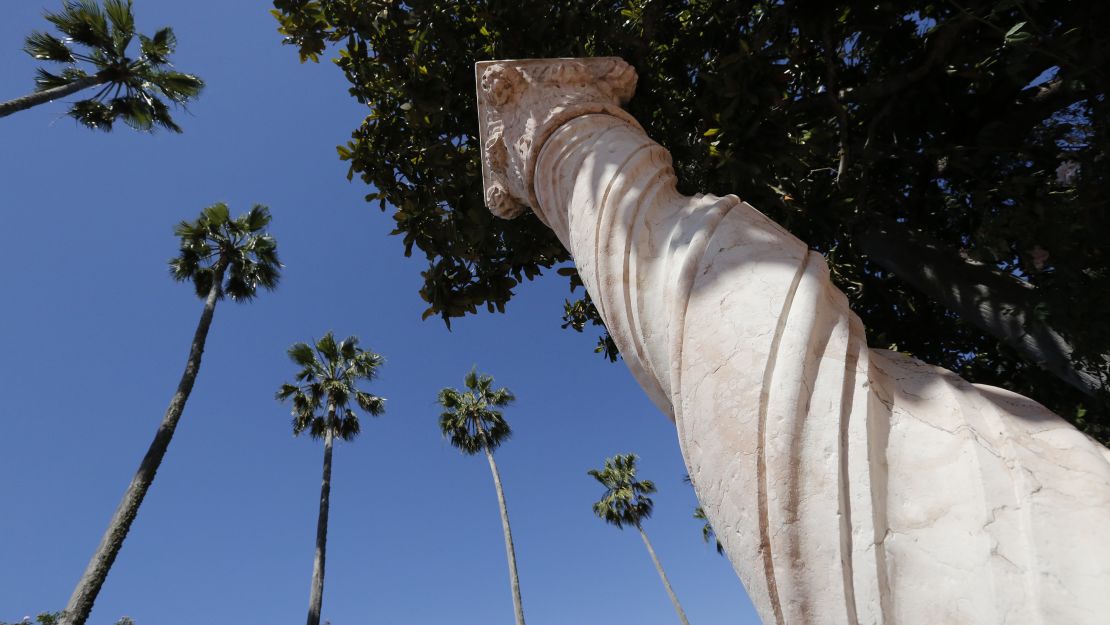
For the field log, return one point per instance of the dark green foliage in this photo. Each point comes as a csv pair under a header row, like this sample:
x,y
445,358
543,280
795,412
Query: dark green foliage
x,y
326,387
980,125
581,312
707,533
471,419
215,242
626,500
129,89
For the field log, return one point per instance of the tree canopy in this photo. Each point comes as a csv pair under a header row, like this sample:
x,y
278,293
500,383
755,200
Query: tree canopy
x,y
947,157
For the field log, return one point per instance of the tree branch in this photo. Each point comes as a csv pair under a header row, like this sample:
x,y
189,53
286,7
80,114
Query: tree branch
x,y
942,42
831,90
995,302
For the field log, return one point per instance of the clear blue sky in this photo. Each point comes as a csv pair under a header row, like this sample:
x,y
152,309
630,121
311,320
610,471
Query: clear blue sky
x,y
95,333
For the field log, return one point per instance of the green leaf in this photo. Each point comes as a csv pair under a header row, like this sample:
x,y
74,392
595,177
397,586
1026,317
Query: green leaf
x,y
1016,35
1014,29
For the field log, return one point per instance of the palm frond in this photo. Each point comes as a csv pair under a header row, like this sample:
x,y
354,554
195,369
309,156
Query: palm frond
x,y
245,278
328,347
203,279
238,286
215,216
122,24
92,114
500,397
47,47
183,266
285,392
370,404
48,80
301,354
257,218
348,427
305,403
84,23
348,348
707,533
156,50
448,398
497,432
185,230
338,391
135,111
161,114
301,422
365,365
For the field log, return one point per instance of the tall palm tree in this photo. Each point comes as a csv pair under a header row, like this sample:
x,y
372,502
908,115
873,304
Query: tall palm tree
x,y
222,257
131,89
626,502
322,399
473,423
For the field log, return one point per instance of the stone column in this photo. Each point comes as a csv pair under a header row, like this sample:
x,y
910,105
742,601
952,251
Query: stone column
x,y
847,485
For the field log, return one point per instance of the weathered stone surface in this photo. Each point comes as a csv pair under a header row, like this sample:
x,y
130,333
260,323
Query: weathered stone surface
x,y
848,485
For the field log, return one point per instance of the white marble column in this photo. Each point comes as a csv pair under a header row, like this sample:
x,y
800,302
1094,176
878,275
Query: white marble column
x,y
849,486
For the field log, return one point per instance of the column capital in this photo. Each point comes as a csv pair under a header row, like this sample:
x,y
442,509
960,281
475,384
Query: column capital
x,y
521,102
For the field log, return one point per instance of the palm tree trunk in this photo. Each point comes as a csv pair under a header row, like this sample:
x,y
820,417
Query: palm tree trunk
x,y
46,95
316,596
663,576
510,552
81,602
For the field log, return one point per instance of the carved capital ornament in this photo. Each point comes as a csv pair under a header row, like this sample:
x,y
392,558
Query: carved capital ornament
x,y
520,102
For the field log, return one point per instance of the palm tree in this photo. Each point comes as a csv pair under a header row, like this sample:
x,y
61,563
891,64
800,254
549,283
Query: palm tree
x,y
473,423
130,89
221,257
322,397
626,502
